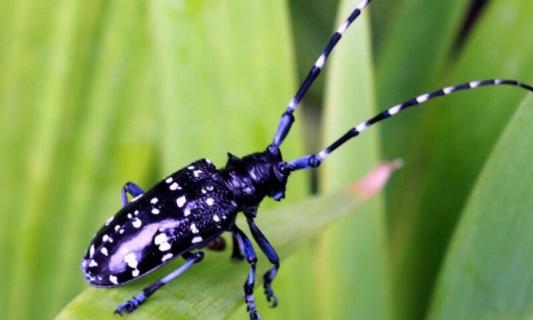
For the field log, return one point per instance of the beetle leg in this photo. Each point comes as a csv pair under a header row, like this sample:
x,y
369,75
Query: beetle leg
x,y
133,189
249,253
132,304
237,252
272,256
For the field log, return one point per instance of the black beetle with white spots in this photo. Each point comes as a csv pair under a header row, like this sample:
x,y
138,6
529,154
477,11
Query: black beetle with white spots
x,y
191,208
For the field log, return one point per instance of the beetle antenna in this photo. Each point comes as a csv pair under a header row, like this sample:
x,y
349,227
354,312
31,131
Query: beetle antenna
x,y
287,117
314,160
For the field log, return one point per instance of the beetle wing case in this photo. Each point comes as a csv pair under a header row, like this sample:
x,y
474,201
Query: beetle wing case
x,y
182,212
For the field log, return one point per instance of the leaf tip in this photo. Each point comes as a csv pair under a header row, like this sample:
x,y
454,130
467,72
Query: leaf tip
x,y
374,181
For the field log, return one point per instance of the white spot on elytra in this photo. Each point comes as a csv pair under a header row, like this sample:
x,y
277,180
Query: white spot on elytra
x,y
169,180
208,161
196,239
209,188
117,227
155,211
190,167
137,223
166,257
216,218
113,279
174,186
135,272
93,264
186,212
121,231
210,201
154,200
204,191
181,201
131,260
197,173
129,216
161,240
91,251
194,229
108,221
107,238
104,251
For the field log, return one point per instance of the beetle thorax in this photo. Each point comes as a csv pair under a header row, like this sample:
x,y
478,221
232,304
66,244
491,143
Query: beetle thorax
x,y
256,176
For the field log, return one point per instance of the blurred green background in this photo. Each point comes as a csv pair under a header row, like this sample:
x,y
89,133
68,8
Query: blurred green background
x,y
97,93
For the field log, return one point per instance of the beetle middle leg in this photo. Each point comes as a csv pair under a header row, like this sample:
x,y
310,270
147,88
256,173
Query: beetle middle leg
x,y
130,188
272,256
249,253
132,304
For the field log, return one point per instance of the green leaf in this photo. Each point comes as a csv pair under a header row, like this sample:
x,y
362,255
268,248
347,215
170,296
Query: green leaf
x,y
94,94
413,49
450,146
213,288
351,268
488,272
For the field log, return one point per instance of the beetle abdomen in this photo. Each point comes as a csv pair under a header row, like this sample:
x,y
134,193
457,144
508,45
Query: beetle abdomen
x,y
183,212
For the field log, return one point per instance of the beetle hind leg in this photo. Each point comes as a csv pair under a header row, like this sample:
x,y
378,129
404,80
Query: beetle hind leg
x,y
133,303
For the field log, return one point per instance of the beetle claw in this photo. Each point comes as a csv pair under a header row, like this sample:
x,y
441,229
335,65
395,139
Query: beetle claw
x,y
271,297
127,307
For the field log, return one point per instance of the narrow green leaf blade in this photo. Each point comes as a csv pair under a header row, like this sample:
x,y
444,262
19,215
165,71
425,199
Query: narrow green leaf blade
x,y
488,272
351,268
450,147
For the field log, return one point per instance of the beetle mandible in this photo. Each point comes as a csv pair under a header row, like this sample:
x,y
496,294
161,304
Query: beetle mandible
x,y
192,207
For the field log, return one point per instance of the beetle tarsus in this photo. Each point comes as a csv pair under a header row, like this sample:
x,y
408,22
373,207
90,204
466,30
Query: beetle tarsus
x,y
130,305
270,296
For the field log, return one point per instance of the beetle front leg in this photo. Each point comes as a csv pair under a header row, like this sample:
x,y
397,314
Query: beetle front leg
x,y
132,304
130,188
272,256
249,253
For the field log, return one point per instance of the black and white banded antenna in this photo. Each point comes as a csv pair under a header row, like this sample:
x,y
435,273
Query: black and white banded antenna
x,y
314,160
288,118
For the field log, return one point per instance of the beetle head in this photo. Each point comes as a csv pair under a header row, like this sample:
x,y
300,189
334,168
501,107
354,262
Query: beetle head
x,y
257,175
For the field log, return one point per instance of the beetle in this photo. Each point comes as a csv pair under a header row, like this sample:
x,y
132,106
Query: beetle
x,y
190,209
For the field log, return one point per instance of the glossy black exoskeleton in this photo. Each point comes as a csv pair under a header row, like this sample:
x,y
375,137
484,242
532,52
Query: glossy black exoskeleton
x,y
191,208
186,211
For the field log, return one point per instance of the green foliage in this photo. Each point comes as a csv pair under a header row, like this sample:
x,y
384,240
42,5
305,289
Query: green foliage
x,y
96,93
487,273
